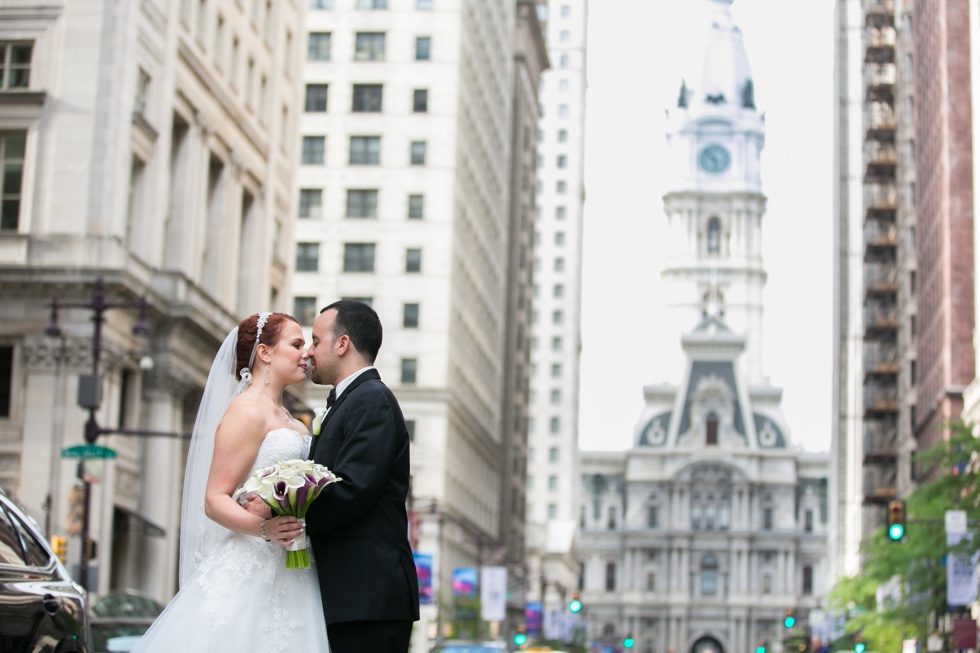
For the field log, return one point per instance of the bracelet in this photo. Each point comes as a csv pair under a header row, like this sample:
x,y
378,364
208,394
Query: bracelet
x,y
262,531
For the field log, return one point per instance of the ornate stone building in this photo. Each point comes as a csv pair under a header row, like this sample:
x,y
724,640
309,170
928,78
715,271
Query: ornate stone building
x,y
151,145
702,535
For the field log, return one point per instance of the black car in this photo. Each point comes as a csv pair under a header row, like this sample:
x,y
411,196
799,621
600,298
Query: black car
x,y
41,608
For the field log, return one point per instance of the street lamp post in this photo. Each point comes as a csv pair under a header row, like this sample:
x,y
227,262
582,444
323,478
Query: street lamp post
x,y
89,387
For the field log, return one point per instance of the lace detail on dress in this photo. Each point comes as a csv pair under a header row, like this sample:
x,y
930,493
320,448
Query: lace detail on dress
x,y
243,564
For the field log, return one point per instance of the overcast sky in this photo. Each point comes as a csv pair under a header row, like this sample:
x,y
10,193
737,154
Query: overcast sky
x,y
637,52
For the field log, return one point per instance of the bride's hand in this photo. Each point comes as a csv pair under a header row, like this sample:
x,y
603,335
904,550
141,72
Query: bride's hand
x,y
283,530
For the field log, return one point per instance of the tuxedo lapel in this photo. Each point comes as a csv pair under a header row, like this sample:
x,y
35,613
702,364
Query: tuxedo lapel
x,y
361,378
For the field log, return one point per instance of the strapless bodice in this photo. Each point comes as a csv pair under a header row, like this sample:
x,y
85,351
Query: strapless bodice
x,y
281,444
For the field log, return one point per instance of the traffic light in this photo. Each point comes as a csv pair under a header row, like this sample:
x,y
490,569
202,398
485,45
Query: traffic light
x,y
59,546
761,648
790,619
520,639
859,647
628,641
575,605
895,528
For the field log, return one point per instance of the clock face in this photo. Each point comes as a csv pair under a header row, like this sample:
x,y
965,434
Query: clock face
x,y
714,159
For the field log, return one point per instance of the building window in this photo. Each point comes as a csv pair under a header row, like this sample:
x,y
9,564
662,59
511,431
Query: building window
x,y
556,370
316,98
553,483
418,153
321,4
807,580
409,371
413,260
410,427
651,581
6,379
310,202
556,343
709,575
562,110
142,93
566,11
714,236
307,257
556,396
552,511
423,48
767,519
553,455
12,167
416,207
318,46
372,4
562,135
424,5
653,517
560,212
420,100
367,98
610,576
554,425
559,238
767,584
365,150
369,46
362,203
304,310
562,161
15,65
358,257
559,264
711,430
557,317
313,150
561,187
564,61
808,521
410,316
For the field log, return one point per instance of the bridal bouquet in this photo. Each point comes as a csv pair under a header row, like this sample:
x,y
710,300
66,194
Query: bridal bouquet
x,y
288,487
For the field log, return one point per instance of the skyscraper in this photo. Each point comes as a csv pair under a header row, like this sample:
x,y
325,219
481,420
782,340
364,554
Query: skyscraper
x,y
552,508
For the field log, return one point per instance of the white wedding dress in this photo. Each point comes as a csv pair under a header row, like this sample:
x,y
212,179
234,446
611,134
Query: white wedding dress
x,y
242,598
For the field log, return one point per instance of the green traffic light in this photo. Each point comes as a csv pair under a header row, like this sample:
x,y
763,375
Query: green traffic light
x,y
859,648
760,649
789,622
628,642
896,532
575,606
520,639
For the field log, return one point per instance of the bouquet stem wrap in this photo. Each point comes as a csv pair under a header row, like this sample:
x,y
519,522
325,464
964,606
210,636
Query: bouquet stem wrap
x,y
288,488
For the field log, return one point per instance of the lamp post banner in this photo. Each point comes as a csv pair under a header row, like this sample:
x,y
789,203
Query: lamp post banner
x,y
493,593
961,570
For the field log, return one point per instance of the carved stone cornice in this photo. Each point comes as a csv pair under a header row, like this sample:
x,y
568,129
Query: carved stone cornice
x,y
168,381
44,353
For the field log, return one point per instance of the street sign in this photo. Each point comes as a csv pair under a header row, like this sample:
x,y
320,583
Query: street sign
x,y
86,451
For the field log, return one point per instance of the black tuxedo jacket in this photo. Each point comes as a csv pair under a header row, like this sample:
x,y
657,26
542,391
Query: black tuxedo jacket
x,y
358,527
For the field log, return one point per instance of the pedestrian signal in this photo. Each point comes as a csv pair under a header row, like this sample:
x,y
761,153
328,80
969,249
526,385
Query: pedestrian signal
x,y
790,619
575,605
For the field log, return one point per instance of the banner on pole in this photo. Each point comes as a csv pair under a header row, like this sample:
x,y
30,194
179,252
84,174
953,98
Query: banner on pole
x,y
532,618
423,568
464,582
961,570
493,593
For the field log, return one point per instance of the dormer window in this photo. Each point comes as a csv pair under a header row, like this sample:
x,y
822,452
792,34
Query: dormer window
x,y
711,430
714,236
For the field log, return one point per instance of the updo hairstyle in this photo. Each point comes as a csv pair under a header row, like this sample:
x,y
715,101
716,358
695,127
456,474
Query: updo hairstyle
x,y
271,331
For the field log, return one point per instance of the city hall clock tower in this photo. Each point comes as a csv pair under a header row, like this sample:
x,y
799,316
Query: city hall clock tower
x,y
714,202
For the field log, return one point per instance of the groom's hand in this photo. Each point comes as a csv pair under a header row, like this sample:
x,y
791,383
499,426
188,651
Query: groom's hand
x,y
256,506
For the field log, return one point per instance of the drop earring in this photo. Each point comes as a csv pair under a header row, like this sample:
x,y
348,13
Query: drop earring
x,y
267,374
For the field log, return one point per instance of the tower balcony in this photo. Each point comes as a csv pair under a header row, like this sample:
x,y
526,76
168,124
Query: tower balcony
x,y
880,321
881,358
880,483
879,13
880,282
881,162
880,242
880,401
881,202
879,45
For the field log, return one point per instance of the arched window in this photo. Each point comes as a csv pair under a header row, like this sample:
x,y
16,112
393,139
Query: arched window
x,y
714,236
709,575
711,430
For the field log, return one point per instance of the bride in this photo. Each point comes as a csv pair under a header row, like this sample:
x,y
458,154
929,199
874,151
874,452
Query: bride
x,y
236,593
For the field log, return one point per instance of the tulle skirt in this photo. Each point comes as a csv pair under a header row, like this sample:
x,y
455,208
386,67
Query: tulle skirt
x,y
242,598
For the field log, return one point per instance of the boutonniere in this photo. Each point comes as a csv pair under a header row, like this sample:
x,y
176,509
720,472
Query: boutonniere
x,y
318,415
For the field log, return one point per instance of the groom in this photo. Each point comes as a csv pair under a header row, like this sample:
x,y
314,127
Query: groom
x,y
358,528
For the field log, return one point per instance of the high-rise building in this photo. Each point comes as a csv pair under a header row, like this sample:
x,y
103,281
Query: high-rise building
x,y
712,525
944,214
552,504
417,125
875,267
150,146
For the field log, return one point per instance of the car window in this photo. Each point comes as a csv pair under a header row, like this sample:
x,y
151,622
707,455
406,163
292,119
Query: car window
x,y
37,555
11,552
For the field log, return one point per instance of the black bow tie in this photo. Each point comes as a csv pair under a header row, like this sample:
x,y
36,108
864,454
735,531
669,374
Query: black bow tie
x,y
331,398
